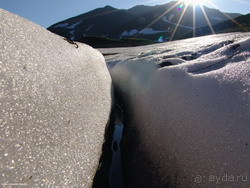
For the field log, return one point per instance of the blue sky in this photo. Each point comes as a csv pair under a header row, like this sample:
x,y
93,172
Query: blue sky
x,y
48,12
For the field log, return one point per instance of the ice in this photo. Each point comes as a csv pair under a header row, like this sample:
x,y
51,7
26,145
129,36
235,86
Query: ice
x,y
115,174
74,25
194,47
190,120
188,105
90,27
148,31
130,33
72,33
55,103
61,25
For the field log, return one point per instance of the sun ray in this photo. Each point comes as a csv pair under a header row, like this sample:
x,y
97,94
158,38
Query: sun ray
x,y
179,21
167,11
234,21
158,18
194,24
208,21
194,3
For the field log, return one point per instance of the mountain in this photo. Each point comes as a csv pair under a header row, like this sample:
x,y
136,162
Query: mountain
x,y
104,42
96,22
148,22
140,10
239,24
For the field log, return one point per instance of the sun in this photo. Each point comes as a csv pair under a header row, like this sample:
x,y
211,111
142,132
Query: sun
x,y
194,2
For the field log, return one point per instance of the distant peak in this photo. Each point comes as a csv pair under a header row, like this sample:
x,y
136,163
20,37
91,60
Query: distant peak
x,y
108,7
140,6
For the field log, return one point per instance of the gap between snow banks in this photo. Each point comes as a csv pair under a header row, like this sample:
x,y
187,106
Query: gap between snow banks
x,y
109,173
185,119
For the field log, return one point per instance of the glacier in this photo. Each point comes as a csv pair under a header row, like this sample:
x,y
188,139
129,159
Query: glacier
x,y
186,110
146,31
186,122
73,26
55,104
61,25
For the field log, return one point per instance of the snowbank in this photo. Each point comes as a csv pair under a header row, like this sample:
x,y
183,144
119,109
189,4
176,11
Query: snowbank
x,y
188,124
55,103
146,31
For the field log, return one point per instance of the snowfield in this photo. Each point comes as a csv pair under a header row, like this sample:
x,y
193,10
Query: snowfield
x,y
186,106
55,103
146,31
188,111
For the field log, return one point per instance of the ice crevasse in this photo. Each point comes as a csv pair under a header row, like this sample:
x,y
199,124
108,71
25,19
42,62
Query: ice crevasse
x,y
187,124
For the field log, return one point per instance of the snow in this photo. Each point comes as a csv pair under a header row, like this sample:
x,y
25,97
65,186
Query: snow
x,y
55,105
130,33
165,19
90,27
149,31
115,174
192,117
72,33
146,31
74,25
164,51
61,25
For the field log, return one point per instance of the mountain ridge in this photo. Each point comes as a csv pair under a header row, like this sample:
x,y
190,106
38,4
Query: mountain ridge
x,y
140,21
239,24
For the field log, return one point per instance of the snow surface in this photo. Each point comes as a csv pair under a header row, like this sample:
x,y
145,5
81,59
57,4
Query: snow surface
x,y
90,27
115,174
72,33
61,25
55,103
130,33
146,31
74,25
192,117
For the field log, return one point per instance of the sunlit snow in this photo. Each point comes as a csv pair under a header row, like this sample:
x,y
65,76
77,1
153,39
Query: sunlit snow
x,y
191,102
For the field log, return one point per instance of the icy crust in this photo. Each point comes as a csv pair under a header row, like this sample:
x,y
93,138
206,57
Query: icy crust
x,y
176,52
193,118
55,103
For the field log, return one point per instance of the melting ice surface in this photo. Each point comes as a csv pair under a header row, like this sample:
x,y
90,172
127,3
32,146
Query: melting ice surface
x,y
115,175
74,25
173,51
145,31
197,94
